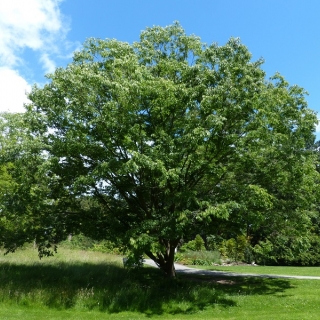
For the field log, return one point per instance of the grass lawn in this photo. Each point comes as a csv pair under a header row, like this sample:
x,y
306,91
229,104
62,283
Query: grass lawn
x,y
89,285
278,270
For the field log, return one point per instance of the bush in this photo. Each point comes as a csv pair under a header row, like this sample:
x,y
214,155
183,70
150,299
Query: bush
x,y
264,252
194,245
213,242
237,249
206,258
78,241
311,256
199,243
106,246
85,243
289,250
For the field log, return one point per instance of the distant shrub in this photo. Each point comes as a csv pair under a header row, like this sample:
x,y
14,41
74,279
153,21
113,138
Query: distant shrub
x,y
199,258
194,245
264,252
86,243
286,250
106,247
237,249
213,242
78,241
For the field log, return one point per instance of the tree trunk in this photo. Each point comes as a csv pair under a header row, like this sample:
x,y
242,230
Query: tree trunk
x,y
169,269
165,261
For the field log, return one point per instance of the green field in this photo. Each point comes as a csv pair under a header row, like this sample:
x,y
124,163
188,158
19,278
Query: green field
x,y
89,285
271,270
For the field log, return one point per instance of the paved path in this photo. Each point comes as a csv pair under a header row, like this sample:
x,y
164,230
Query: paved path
x,y
183,269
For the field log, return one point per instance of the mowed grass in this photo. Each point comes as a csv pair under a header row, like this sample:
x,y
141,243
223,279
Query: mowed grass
x,y
272,270
89,285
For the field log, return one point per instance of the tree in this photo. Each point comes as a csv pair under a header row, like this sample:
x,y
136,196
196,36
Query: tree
x,y
26,194
145,143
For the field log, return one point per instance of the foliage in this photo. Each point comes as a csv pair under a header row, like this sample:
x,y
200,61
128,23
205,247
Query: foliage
x,y
263,252
235,249
213,242
311,256
194,245
28,208
148,143
198,258
107,246
81,242
290,250
199,243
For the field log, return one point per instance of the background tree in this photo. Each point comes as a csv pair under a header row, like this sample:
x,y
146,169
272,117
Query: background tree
x,y
146,142
26,190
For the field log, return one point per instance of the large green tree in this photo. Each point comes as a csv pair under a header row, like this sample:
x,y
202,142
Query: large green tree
x,y
147,142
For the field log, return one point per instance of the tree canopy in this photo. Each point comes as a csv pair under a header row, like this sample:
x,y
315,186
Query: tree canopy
x,y
148,142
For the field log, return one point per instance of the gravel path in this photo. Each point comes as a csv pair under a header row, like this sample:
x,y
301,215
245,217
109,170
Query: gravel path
x,y
183,269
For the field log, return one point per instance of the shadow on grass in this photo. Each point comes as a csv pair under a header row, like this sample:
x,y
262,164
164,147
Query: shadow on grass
x,y
110,288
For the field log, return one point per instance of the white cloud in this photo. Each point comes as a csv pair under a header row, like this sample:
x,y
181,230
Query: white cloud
x,y
34,24
13,90
48,64
318,125
37,25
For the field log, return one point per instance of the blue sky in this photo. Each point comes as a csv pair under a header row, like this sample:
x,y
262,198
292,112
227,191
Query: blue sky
x,y
36,36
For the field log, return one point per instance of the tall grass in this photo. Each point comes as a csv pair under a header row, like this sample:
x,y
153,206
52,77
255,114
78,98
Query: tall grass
x,y
84,280
92,285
